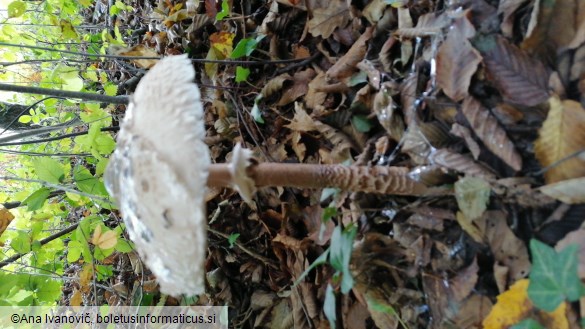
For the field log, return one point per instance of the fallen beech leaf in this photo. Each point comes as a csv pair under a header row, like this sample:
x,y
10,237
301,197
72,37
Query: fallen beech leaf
x,y
326,20
459,162
487,128
520,78
138,50
514,306
457,60
561,134
571,191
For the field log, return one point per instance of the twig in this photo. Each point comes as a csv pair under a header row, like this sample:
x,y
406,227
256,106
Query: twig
x,y
44,241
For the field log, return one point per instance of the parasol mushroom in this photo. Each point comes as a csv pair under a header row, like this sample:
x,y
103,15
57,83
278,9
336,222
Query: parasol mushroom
x,y
160,169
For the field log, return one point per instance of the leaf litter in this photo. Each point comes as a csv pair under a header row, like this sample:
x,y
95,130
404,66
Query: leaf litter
x,y
483,102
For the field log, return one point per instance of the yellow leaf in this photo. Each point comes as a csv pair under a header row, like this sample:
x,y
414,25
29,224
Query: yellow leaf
x,y
562,134
5,218
104,241
76,298
85,277
222,42
514,306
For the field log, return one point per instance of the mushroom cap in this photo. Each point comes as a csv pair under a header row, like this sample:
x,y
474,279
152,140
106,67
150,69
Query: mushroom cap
x,y
158,175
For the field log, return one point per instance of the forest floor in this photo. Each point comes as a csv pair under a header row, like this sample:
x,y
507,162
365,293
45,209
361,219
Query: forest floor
x,y
481,98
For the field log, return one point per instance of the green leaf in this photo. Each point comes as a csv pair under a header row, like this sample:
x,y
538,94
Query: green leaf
x,y
242,74
328,213
16,9
472,194
37,199
25,118
361,123
87,183
74,250
256,114
244,48
110,89
225,10
341,248
553,277
329,306
124,246
21,244
322,259
527,324
232,239
49,170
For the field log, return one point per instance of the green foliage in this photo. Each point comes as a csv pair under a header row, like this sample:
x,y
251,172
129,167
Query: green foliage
x,y
37,199
49,170
329,306
232,239
554,277
16,8
225,10
118,7
242,74
341,248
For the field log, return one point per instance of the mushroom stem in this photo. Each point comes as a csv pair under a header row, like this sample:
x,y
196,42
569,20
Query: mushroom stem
x,y
375,179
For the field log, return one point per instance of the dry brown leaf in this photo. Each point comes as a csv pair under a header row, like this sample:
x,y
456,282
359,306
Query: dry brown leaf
x,y
384,108
374,10
138,50
457,60
508,250
520,78
571,191
274,85
76,298
462,132
459,162
555,24
299,88
347,64
508,9
85,277
326,20
562,134
487,128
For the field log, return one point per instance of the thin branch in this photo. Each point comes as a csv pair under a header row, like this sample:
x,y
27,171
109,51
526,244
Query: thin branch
x,y
44,241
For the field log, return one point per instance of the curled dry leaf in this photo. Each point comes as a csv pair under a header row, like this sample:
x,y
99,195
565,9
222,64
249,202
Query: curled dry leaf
x,y
346,65
457,60
384,108
571,191
487,128
562,134
299,88
520,78
462,131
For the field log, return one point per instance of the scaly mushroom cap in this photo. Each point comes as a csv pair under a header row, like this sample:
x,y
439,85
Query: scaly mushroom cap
x,y
158,176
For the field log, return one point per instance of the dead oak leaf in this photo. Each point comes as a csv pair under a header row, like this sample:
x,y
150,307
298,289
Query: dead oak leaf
x,y
326,20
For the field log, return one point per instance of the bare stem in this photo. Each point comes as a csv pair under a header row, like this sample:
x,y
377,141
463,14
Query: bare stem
x,y
375,179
